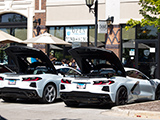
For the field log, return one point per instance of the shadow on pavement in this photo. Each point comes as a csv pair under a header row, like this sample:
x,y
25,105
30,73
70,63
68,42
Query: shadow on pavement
x,y
93,106
25,101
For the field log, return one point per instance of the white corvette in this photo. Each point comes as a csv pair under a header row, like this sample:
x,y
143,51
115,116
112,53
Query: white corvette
x,y
104,80
37,80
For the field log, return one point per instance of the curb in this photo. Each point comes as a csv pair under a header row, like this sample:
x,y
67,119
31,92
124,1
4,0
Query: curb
x,y
125,111
137,113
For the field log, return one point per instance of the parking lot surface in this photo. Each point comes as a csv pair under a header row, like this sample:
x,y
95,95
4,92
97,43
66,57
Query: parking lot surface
x,y
32,110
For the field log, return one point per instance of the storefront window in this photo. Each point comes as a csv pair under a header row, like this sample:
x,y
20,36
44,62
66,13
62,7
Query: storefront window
x,y
128,45
78,36
20,33
15,25
100,37
139,49
147,32
12,18
57,32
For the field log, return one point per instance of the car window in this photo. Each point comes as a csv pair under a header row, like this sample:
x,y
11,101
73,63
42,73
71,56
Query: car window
x,y
72,72
68,72
135,74
63,70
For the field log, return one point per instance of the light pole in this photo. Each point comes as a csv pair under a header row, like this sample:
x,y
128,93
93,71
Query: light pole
x,y
89,3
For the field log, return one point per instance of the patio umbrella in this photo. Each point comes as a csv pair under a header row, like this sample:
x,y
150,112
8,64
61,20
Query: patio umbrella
x,y
7,38
47,38
55,47
131,44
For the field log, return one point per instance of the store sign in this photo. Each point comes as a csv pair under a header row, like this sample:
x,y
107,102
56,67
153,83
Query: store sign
x,y
76,34
132,52
102,27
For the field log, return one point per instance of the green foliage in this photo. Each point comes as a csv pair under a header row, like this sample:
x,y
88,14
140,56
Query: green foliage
x,y
59,56
150,10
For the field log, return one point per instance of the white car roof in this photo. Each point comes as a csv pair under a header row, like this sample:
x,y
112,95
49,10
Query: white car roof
x,y
127,69
59,66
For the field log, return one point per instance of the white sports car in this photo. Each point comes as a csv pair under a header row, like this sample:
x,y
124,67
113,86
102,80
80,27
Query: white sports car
x,y
104,80
32,80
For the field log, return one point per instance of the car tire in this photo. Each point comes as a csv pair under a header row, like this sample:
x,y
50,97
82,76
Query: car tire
x,y
157,93
71,103
49,94
9,99
121,96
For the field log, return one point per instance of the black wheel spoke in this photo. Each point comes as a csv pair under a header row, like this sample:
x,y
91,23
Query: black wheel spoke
x,y
122,97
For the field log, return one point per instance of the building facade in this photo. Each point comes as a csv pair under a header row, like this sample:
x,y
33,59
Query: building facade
x,y
71,21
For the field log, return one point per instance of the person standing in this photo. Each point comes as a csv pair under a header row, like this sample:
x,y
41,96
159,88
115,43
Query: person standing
x,y
64,62
73,63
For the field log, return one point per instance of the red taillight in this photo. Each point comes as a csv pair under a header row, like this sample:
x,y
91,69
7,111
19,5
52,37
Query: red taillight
x,y
1,78
103,82
32,79
66,81
110,82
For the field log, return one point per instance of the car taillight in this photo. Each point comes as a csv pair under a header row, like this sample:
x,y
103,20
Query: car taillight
x,y
66,81
32,79
1,78
103,82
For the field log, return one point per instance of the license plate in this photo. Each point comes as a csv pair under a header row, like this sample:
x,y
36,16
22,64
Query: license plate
x,y
81,86
11,82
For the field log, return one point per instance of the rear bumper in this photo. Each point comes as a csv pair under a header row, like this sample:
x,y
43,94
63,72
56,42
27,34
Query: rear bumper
x,y
86,97
18,93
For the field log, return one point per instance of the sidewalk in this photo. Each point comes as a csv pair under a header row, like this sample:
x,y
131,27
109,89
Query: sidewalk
x,y
150,110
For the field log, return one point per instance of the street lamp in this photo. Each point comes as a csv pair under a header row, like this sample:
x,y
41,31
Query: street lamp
x,y
89,3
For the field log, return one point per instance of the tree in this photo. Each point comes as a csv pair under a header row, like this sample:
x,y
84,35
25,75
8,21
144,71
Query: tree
x,y
150,10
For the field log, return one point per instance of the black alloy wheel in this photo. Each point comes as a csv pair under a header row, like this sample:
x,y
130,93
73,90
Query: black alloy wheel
x,y
157,93
121,96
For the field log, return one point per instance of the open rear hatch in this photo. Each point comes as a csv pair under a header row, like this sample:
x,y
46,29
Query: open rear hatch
x,y
91,58
20,55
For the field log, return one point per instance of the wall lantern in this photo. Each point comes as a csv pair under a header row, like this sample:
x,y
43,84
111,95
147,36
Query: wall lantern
x,y
110,20
34,23
37,27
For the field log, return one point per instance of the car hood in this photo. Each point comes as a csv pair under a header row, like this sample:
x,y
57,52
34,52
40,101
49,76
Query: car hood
x,y
84,56
19,55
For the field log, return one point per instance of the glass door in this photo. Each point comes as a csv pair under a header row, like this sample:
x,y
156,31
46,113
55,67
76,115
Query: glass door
x,y
146,57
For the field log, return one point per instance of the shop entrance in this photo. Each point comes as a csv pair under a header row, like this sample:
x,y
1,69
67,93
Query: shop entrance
x,y
146,57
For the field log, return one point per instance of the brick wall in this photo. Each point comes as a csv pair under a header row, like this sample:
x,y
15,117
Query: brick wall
x,y
41,15
113,39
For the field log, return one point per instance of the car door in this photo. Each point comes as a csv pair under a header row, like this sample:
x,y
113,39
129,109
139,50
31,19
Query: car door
x,y
143,87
